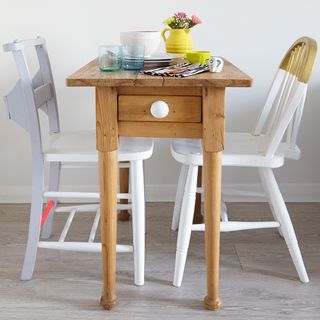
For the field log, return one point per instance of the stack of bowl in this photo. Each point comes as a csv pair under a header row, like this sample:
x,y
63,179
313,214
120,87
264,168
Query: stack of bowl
x,y
149,39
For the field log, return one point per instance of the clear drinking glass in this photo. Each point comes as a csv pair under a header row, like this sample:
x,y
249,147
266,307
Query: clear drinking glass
x,y
132,57
110,58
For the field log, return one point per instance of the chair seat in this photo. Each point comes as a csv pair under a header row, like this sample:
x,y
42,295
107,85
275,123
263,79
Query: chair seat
x,y
80,146
241,149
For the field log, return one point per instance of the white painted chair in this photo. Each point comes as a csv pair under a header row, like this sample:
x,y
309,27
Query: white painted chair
x,y
65,150
265,148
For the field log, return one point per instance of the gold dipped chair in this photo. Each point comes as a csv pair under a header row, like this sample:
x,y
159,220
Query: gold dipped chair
x,y
273,140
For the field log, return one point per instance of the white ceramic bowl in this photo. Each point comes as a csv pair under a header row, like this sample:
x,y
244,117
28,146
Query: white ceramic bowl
x,y
149,39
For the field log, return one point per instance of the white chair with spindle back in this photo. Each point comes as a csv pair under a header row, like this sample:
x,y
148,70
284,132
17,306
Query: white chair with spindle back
x,y
262,149
65,150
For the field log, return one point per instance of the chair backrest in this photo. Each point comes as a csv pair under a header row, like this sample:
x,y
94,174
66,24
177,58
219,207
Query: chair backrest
x,y
283,108
32,93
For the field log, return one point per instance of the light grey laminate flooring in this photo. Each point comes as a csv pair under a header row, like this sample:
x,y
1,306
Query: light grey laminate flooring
x,y
258,280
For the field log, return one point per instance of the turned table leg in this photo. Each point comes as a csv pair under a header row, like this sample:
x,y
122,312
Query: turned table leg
x,y
212,207
108,219
107,145
213,110
124,215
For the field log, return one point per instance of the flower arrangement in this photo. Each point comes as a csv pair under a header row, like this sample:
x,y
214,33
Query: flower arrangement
x,y
180,20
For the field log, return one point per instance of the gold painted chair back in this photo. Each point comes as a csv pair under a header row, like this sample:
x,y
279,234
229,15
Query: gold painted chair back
x,y
300,59
284,105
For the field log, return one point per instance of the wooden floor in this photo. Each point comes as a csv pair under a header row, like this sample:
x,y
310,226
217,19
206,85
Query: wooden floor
x,y
258,280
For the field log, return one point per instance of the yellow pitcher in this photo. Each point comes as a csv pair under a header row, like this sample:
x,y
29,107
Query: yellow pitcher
x,y
179,40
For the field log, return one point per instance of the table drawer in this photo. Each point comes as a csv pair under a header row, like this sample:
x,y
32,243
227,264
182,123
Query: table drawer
x,y
159,108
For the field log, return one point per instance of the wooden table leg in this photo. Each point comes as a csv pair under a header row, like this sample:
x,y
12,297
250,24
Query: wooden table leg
x,y
198,217
212,207
108,219
124,215
213,109
107,145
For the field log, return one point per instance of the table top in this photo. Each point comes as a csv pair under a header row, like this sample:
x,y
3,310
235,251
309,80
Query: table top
x,y
90,75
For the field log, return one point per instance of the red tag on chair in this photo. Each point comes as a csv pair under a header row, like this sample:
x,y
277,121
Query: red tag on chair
x,y
46,212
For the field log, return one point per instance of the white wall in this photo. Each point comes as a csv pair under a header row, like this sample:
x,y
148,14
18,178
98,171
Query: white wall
x,y
252,34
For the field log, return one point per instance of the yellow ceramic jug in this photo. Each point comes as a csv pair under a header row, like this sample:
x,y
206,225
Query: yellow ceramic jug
x,y
179,40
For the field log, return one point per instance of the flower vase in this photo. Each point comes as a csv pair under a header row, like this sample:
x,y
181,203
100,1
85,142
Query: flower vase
x,y
179,40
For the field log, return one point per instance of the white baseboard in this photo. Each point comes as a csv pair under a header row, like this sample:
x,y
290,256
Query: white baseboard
x,y
292,192
22,194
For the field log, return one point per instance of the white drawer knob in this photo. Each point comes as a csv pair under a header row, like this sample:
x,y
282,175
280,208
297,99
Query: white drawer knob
x,y
159,109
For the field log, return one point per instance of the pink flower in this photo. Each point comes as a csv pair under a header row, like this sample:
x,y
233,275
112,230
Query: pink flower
x,y
195,19
181,15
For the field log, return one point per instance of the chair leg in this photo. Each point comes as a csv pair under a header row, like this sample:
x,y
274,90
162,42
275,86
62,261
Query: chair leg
x,y
138,220
34,224
54,181
198,217
271,205
185,224
282,215
224,212
179,197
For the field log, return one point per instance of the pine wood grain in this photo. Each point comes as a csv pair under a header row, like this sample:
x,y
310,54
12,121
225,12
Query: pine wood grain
x,y
213,110
107,144
108,225
106,119
212,207
209,126
137,108
167,91
160,129
90,75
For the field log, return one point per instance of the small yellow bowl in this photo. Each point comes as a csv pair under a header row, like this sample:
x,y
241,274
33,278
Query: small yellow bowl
x,y
198,56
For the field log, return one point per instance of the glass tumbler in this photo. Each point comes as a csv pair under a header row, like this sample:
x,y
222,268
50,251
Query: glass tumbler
x,y
110,58
132,57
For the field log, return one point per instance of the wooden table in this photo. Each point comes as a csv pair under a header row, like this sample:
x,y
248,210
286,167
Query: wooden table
x,y
196,110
